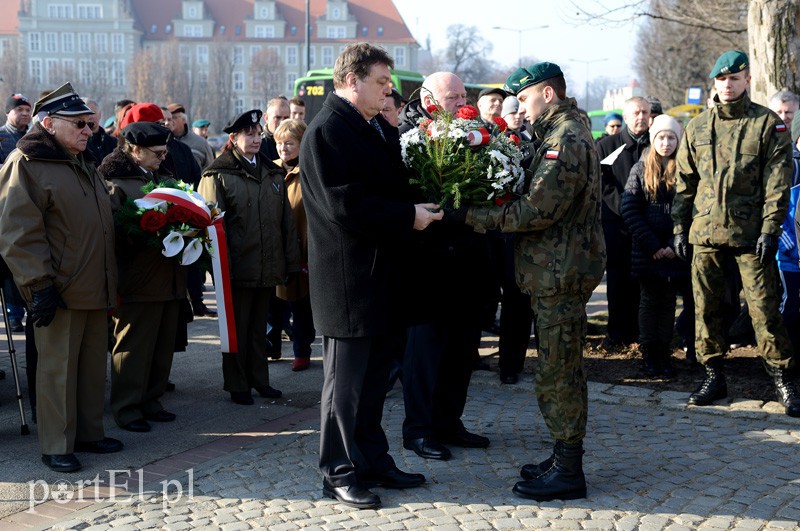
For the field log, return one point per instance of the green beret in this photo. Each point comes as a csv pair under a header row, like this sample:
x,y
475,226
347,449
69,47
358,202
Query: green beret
x,y
201,123
731,62
531,75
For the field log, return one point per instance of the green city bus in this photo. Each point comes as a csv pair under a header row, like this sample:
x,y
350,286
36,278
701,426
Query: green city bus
x,y
315,86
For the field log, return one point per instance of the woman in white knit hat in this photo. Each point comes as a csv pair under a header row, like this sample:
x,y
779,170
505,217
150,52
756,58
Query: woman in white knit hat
x,y
646,210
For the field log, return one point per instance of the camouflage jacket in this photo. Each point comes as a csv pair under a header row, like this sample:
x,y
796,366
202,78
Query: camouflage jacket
x,y
559,246
734,171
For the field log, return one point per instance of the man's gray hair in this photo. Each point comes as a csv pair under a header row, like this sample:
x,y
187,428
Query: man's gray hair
x,y
784,96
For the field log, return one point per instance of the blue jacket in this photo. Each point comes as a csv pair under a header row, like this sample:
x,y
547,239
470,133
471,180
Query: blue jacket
x,y
9,136
787,244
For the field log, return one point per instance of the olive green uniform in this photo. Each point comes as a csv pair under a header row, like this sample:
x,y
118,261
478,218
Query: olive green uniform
x,y
734,172
559,257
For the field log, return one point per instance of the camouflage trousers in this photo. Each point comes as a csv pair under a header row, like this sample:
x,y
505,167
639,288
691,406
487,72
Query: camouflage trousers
x,y
560,377
761,291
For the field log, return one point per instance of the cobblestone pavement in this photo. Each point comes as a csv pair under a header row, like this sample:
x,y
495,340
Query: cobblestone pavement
x,y
651,463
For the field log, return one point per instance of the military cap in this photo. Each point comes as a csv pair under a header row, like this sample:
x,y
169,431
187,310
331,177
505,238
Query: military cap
x,y
731,62
146,134
64,101
492,90
176,107
531,75
142,112
16,100
201,123
246,119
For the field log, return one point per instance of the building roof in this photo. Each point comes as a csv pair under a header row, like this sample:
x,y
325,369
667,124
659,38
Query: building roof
x,y
9,17
155,16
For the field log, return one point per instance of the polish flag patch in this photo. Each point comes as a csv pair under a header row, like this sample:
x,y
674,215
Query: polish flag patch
x,y
551,154
781,128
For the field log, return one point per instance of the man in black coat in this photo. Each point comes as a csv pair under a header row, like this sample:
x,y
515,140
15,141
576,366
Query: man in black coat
x,y
437,365
360,218
618,154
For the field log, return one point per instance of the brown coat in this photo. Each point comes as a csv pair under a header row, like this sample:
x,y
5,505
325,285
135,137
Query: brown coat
x,y
145,275
57,226
297,287
260,232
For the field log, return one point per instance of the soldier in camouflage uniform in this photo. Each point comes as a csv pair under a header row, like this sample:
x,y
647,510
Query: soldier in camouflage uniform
x,y
559,258
734,169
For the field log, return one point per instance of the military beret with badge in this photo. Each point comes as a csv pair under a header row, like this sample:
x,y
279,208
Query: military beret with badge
x,y
730,62
246,119
534,74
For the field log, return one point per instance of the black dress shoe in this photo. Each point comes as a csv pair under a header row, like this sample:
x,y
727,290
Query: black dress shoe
x,y
138,425
268,392
243,398
509,378
394,478
200,309
427,448
62,462
161,416
481,366
170,386
106,445
352,495
465,439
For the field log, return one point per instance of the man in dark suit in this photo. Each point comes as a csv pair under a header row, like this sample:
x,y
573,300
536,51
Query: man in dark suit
x,y
359,220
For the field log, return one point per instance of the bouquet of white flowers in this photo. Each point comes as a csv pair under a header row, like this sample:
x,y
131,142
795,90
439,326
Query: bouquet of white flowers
x,y
457,159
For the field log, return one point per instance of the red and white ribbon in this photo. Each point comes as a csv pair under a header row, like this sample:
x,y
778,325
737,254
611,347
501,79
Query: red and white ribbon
x,y
478,137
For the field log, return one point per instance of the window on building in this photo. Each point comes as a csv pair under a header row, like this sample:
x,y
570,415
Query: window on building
x,y
238,106
400,56
291,77
265,32
52,71
202,54
364,31
336,32
264,13
36,71
117,43
254,51
258,103
34,42
101,42
90,11
85,71
202,79
327,56
68,42
185,54
118,73
238,81
50,42
59,11
291,55
101,73
5,45
380,31
192,30
293,31
68,68
84,43
193,12
238,55
336,14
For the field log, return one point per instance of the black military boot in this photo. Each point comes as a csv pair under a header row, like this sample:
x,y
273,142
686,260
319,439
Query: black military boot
x,y
533,471
650,362
665,360
564,480
713,387
787,392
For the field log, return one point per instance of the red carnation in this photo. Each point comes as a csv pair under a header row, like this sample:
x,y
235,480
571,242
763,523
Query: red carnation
x,y
425,123
432,109
500,123
468,112
503,199
515,139
152,220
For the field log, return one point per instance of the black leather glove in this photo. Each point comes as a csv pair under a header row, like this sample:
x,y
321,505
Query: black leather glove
x,y
766,248
681,243
43,307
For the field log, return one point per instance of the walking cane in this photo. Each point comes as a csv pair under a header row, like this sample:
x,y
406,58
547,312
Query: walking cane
x,y
13,353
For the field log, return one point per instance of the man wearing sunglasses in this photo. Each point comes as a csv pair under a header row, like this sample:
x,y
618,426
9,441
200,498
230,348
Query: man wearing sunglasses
x,y
58,242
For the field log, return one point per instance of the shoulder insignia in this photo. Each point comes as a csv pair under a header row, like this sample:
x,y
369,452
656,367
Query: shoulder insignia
x,y
551,154
781,128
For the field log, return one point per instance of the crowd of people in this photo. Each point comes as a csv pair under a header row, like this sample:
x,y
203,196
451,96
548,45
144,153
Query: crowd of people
x,y
343,245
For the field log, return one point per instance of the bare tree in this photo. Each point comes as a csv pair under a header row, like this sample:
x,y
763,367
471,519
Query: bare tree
x,y
15,77
267,74
220,83
467,55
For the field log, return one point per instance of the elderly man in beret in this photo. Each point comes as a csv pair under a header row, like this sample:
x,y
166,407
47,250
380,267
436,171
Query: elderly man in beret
x,y
150,289
58,241
560,255
732,192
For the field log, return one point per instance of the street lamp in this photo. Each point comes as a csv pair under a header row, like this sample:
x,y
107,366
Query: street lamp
x,y
587,63
519,39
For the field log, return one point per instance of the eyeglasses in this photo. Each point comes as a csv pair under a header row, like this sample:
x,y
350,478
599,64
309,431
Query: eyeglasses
x,y
161,154
615,126
79,124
